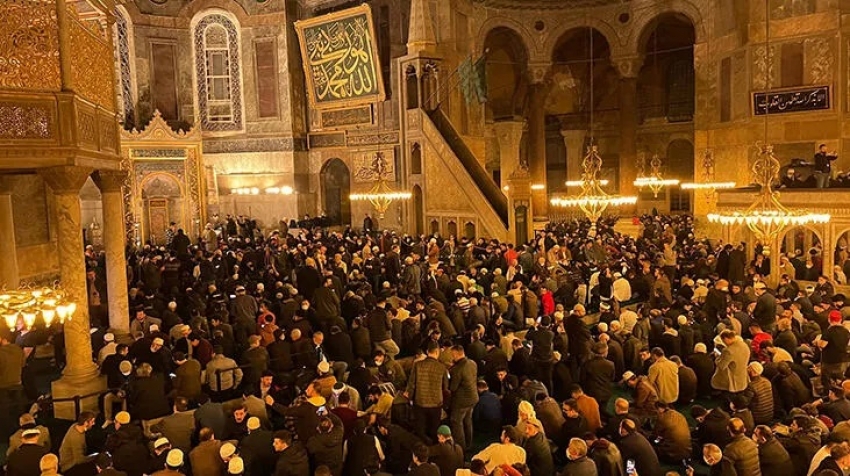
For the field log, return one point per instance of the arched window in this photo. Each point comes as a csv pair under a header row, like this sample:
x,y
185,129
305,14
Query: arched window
x,y
451,227
680,91
469,230
416,159
124,65
218,73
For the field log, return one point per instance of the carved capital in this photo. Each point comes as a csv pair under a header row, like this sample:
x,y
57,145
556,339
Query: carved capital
x,y
537,72
65,179
628,67
110,180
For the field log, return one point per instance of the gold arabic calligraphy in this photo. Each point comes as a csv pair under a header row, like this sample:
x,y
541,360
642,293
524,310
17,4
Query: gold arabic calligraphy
x,y
340,57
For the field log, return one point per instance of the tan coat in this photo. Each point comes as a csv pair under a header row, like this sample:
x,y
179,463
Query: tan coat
x,y
731,374
206,460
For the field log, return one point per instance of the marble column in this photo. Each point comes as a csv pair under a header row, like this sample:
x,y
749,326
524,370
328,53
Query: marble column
x,y
515,175
537,150
509,136
80,376
9,277
628,69
574,143
110,182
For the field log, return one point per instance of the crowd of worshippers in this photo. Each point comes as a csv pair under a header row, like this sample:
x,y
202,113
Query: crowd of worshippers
x,y
302,352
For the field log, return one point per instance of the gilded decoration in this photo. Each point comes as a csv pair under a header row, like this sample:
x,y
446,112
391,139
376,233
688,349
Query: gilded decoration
x,y
355,116
92,69
29,45
26,122
819,59
159,151
341,58
765,71
324,141
366,170
381,138
86,127
108,138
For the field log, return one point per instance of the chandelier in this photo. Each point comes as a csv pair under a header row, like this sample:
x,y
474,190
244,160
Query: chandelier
x,y
709,185
22,308
592,201
381,195
655,181
767,218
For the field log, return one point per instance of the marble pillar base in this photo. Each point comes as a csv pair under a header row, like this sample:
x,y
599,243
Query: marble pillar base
x,y
69,387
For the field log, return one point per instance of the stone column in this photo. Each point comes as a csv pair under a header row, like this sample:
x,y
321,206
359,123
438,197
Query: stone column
x,y
574,142
80,376
509,135
537,144
515,174
628,69
8,248
109,183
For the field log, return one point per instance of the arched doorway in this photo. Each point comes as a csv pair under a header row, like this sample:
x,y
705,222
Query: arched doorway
x,y
336,186
163,202
418,209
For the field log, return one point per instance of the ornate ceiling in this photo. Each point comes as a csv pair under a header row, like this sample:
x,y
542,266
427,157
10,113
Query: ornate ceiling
x,y
548,4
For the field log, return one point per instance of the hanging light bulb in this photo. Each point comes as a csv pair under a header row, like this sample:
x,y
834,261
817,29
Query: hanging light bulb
x,y
12,320
29,318
48,315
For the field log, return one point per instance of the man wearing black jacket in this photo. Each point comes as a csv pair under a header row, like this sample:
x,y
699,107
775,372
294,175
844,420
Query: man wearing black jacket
x,y
292,459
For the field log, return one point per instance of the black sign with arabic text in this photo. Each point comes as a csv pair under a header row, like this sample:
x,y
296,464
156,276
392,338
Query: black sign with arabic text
x,y
800,100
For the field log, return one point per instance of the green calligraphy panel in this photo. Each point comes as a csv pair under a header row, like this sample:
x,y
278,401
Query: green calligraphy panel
x,y
341,59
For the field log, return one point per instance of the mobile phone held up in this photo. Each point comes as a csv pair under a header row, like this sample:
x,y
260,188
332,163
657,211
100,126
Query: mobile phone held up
x,y
630,466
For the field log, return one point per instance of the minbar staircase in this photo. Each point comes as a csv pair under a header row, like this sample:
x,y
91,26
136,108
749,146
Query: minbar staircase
x,y
496,201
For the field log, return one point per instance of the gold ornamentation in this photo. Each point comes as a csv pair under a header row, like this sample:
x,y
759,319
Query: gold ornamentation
x,y
382,138
29,45
92,67
108,139
382,194
158,129
767,217
356,116
25,122
820,59
155,150
86,127
340,58
366,167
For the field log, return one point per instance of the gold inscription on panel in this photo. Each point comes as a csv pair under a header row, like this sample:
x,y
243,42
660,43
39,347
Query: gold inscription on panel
x,y
340,58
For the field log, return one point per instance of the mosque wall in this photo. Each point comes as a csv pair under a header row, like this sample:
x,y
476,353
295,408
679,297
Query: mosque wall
x,y
280,140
